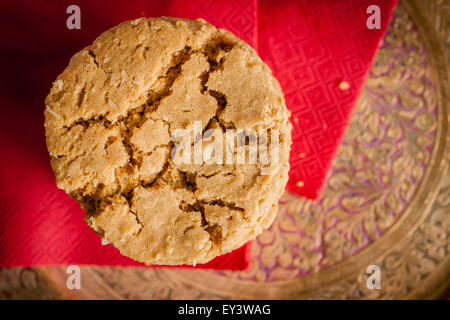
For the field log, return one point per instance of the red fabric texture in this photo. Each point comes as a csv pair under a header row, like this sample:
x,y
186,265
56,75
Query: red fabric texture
x,y
310,46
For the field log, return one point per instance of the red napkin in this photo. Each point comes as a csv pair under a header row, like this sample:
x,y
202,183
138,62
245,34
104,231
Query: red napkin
x,y
310,45
40,224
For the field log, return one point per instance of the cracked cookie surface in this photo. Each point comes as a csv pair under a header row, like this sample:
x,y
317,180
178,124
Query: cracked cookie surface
x,y
110,120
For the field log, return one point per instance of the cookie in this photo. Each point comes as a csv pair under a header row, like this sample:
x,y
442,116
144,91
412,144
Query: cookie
x,y
125,124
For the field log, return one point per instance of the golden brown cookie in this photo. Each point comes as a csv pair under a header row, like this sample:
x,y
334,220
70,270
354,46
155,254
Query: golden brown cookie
x,y
112,124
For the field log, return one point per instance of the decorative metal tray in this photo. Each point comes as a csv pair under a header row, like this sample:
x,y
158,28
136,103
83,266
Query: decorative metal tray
x,y
386,201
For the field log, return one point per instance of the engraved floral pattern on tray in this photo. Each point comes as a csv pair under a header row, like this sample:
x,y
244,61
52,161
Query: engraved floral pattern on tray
x,y
377,170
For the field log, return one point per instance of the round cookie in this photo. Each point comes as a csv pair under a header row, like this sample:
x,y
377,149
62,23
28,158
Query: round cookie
x,y
111,123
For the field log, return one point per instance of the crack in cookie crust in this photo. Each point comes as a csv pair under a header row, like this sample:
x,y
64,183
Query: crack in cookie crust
x,y
109,123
